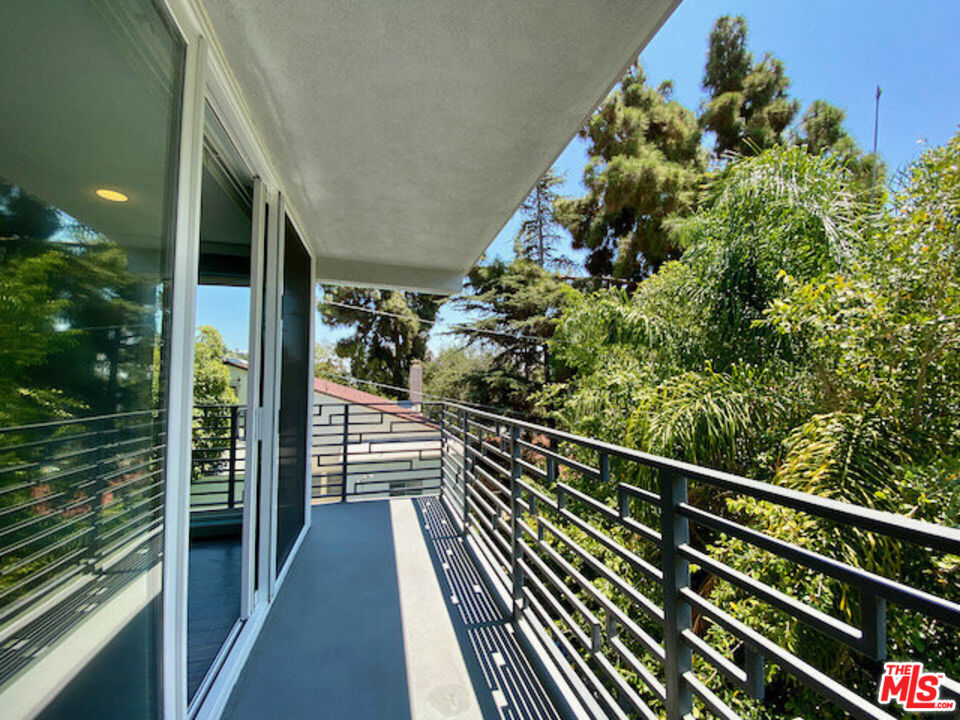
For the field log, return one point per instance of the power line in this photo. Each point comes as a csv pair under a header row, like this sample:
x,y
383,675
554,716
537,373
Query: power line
x,y
426,395
453,328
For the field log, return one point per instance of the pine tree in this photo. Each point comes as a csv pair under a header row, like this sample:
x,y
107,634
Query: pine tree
x,y
748,107
520,303
645,166
539,236
386,337
822,131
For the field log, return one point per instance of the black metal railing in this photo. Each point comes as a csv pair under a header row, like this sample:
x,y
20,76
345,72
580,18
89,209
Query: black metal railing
x,y
615,558
219,452
374,450
628,568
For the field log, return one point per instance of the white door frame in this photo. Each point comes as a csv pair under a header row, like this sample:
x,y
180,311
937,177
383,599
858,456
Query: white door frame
x,y
207,78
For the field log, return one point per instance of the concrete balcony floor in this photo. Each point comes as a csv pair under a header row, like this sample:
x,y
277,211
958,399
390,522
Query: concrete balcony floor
x,y
383,615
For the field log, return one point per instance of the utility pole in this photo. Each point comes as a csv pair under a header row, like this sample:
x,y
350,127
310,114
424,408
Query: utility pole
x,y
876,128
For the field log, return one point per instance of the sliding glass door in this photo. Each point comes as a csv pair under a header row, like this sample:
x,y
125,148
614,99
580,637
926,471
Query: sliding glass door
x,y
224,471
295,392
89,131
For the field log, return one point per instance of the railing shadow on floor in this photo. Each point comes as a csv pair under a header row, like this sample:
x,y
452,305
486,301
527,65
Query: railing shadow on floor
x,y
503,679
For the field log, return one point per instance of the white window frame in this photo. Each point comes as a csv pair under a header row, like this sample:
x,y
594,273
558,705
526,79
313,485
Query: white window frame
x,y
207,78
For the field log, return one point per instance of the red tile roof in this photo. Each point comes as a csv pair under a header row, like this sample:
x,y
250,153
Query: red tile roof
x,y
349,394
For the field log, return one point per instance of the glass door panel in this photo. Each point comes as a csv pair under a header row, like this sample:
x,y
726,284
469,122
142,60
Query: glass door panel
x,y
88,161
220,393
295,392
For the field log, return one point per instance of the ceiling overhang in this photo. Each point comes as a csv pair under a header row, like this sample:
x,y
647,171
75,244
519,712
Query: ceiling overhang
x,y
406,133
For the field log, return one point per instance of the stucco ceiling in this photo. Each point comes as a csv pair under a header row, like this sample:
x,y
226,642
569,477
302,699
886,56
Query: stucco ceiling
x,y
408,131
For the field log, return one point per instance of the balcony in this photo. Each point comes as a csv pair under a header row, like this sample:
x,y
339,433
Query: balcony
x,y
467,564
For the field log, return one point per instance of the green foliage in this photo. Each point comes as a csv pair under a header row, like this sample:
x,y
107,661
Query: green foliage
x,y
386,339
645,166
539,237
748,107
807,337
327,364
519,303
456,373
822,131
211,378
77,332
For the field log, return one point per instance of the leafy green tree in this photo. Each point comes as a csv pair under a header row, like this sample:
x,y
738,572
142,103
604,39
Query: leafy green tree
x,y
540,235
822,131
211,378
807,337
456,373
76,328
326,363
645,166
387,334
519,303
748,108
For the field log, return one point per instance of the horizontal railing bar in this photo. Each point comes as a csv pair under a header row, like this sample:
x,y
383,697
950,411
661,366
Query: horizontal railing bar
x,y
584,671
569,594
638,598
639,667
904,595
816,619
918,532
74,421
713,703
533,581
734,674
647,568
569,462
640,493
845,699
624,689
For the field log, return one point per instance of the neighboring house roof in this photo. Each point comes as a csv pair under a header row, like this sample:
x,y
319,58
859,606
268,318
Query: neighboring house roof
x,y
235,362
374,402
349,394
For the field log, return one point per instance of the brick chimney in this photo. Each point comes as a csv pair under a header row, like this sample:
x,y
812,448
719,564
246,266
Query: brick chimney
x,y
416,383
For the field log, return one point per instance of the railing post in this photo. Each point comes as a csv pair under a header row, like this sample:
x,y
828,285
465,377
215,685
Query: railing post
x,y
516,574
346,447
463,473
675,532
232,472
443,449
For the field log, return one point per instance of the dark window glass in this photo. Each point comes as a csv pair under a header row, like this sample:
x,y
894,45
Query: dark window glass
x,y
294,392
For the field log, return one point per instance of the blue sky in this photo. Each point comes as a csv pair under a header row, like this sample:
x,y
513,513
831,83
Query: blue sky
x,y
835,50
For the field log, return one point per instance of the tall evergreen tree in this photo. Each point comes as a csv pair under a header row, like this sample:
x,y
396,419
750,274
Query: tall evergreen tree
x,y
822,131
387,335
520,303
748,107
645,165
540,235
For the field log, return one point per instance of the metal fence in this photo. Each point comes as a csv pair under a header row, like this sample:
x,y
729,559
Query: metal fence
x,y
613,556
374,450
628,567
218,459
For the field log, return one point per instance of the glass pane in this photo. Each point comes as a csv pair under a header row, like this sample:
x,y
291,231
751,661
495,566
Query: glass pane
x,y
87,167
294,392
217,486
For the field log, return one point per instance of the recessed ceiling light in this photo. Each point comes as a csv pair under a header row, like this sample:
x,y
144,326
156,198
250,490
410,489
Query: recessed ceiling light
x,y
112,195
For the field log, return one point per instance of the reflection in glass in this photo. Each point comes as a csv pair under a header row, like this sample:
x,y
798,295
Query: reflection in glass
x,y
84,289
